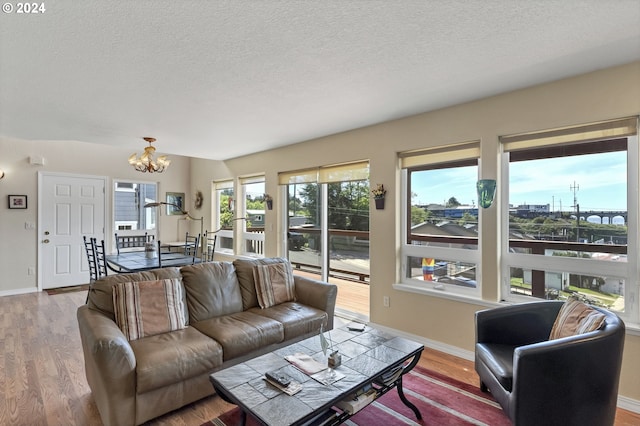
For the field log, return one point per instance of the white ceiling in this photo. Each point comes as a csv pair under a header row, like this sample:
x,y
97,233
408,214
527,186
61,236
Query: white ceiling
x,y
219,79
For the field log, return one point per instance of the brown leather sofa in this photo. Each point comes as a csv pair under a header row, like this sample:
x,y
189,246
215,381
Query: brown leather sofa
x,y
135,381
570,381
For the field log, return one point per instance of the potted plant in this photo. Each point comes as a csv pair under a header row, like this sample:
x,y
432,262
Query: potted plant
x,y
378,196
269,201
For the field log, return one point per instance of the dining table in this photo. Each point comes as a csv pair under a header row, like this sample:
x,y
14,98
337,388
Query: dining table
x,y
135,261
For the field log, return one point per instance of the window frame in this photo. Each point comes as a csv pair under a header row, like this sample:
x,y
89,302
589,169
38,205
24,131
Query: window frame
x,y
218,188
458,155
555,146
246,237
151,213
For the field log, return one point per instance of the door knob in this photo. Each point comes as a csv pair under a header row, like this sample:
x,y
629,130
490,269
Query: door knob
x,y
45,241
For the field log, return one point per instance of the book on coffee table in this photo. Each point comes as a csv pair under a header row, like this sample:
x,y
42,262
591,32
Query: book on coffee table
x,y
283,382
327,376
305,363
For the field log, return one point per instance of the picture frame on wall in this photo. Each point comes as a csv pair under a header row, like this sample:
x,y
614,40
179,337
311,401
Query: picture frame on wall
x,y
175,199
17,201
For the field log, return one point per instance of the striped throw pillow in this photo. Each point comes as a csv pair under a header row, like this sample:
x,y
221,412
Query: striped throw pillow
x,y
147,308
274,284
576,318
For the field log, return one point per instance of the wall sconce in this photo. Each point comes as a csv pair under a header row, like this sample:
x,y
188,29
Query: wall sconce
x,y
486,192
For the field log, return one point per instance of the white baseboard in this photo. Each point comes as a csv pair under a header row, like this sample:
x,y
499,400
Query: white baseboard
x,y
15,292
629,404
624,402
433,344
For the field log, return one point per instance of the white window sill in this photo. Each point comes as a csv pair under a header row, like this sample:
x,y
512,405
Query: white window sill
x,y
632,329
444,294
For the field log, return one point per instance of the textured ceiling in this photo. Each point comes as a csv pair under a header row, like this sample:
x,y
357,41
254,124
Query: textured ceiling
x,y
219,79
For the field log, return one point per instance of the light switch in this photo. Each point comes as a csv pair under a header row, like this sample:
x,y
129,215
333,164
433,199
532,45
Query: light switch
x,y
29,225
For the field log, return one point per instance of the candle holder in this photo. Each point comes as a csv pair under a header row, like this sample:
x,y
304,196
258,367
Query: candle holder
x,y
334,360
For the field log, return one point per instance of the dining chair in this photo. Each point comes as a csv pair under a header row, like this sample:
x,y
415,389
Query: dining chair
x,y
191,244
101,261
209,246
91,259
159,253
132,241
193,254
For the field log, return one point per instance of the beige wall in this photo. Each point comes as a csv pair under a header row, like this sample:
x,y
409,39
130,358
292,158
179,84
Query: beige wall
x,y
19,246
611,93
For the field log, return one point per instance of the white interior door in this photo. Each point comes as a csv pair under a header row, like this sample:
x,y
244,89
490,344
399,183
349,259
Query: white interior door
x,y
70,207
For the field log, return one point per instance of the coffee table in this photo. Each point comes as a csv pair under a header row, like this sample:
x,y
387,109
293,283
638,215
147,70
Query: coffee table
x,y
366,356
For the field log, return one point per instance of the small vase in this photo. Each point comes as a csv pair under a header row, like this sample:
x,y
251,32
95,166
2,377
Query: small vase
x,y
269,204
334,360
379,203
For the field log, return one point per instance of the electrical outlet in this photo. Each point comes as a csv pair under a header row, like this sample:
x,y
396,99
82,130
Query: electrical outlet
x,y
385,301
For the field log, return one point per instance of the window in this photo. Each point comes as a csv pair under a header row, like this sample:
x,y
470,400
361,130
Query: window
x,y
441,224
225,205
328,226
572,229
129,215
254,208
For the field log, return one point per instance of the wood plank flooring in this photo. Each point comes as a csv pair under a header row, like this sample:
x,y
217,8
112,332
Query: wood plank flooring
x,y
42,379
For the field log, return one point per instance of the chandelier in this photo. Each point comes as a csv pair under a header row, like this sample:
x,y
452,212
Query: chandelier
x,y
146,163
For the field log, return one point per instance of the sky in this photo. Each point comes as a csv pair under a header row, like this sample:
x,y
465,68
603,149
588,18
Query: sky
x,y
600,181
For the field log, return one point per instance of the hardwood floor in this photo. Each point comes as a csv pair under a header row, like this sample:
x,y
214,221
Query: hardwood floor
x,y
42,379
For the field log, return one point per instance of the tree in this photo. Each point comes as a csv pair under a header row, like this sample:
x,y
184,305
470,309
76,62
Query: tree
x,y
418,215
452,202
226,215
467,218
348,204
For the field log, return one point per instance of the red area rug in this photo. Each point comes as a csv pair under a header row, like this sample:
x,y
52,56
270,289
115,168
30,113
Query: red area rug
x,y
441,400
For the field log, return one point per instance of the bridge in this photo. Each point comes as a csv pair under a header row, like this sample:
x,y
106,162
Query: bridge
x,y
602,214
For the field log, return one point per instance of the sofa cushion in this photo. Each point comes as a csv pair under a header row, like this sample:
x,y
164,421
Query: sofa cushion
x,y
574,318
296,318
147,308
274,284
498,358
100,295
212,290
173,357
242,332
244,271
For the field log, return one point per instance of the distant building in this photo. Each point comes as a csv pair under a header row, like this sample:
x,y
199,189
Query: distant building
x,y
256,218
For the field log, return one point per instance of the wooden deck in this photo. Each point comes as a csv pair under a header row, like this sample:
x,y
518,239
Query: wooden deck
x,y
352,296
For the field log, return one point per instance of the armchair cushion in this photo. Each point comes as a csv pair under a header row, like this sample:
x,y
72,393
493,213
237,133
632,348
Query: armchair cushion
x,y
576,318
147,308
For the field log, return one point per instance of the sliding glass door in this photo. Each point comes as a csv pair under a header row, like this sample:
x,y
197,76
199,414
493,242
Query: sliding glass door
x,y
328,230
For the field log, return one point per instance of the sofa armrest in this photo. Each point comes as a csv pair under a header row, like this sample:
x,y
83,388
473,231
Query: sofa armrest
x,y
517,325
110,366
317,294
